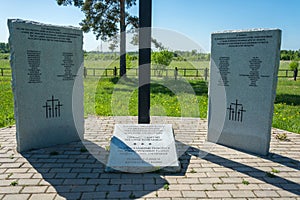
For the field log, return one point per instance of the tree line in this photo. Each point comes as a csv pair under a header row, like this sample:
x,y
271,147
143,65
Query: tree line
x,y
290,55
192,55
4,47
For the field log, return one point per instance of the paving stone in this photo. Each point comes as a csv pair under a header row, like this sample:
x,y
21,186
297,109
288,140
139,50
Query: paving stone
x,y
6,182
93,195
74,181
118,195
188,180
72,196
65,175
210,180
17,170
131,187
34,189
265,193
225,186
107,188
218,180
22,175
196,194
242,193
28,181
98,181
218,194
120,181
10,190
169,194
16,197
202,187
42,197
251,186
181,187
88,175
232,180
83,188
58,197
184,198
51,189
292,193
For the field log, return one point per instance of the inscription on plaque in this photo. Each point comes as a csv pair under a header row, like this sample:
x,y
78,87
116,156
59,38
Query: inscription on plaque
x,y
67,63
142,148
34,60
50,34
254,75
224,71
243,40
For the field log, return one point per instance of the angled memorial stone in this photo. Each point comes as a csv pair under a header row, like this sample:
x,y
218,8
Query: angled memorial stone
x,y
140,148
47,70
242,88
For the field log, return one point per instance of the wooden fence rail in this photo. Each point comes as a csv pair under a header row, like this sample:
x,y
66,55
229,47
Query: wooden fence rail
x,y
183,72
88,72
5,72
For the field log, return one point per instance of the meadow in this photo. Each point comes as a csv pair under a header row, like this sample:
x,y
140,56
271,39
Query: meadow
x,y
113,96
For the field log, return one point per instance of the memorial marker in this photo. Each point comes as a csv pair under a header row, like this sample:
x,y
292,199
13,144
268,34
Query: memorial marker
x,y
47,83
143,147
140,148
242,88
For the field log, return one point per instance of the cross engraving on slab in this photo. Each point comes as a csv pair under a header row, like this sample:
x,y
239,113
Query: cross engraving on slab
x,y
235,111
52,108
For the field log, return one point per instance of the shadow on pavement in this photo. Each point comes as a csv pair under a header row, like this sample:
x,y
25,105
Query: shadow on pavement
x,y
249,170
76,171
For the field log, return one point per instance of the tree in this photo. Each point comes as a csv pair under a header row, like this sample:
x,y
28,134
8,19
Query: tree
x,y
102,17
135,41
294,65
4,47
161,60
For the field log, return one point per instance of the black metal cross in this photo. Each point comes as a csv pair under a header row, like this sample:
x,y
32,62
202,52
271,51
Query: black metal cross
x,y
145,9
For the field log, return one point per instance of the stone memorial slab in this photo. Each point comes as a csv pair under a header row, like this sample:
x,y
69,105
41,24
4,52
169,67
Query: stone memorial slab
x,y
140,148
47,83
242,88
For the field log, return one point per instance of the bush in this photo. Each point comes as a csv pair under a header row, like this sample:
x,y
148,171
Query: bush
x,y
4,56
294,65
161,60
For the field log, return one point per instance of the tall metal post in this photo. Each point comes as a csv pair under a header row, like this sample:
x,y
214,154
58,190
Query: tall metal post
x,y
145,13
123,40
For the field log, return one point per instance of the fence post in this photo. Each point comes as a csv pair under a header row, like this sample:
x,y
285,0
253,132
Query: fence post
x,y
106,72
84,72
286,73
176,73
115,71
1,71
184,72
93,71
197,72
205,74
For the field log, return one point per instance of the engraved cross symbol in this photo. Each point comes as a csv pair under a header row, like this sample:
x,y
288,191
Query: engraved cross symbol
x,y
52,107
235,111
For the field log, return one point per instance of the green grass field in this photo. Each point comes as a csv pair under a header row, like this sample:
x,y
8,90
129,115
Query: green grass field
x,y
111,96
6,99
287,105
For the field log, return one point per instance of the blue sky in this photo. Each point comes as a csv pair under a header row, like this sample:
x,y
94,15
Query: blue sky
x,y
193,19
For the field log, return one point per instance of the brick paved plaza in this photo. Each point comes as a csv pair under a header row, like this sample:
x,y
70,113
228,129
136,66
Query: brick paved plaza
x,y
209,171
